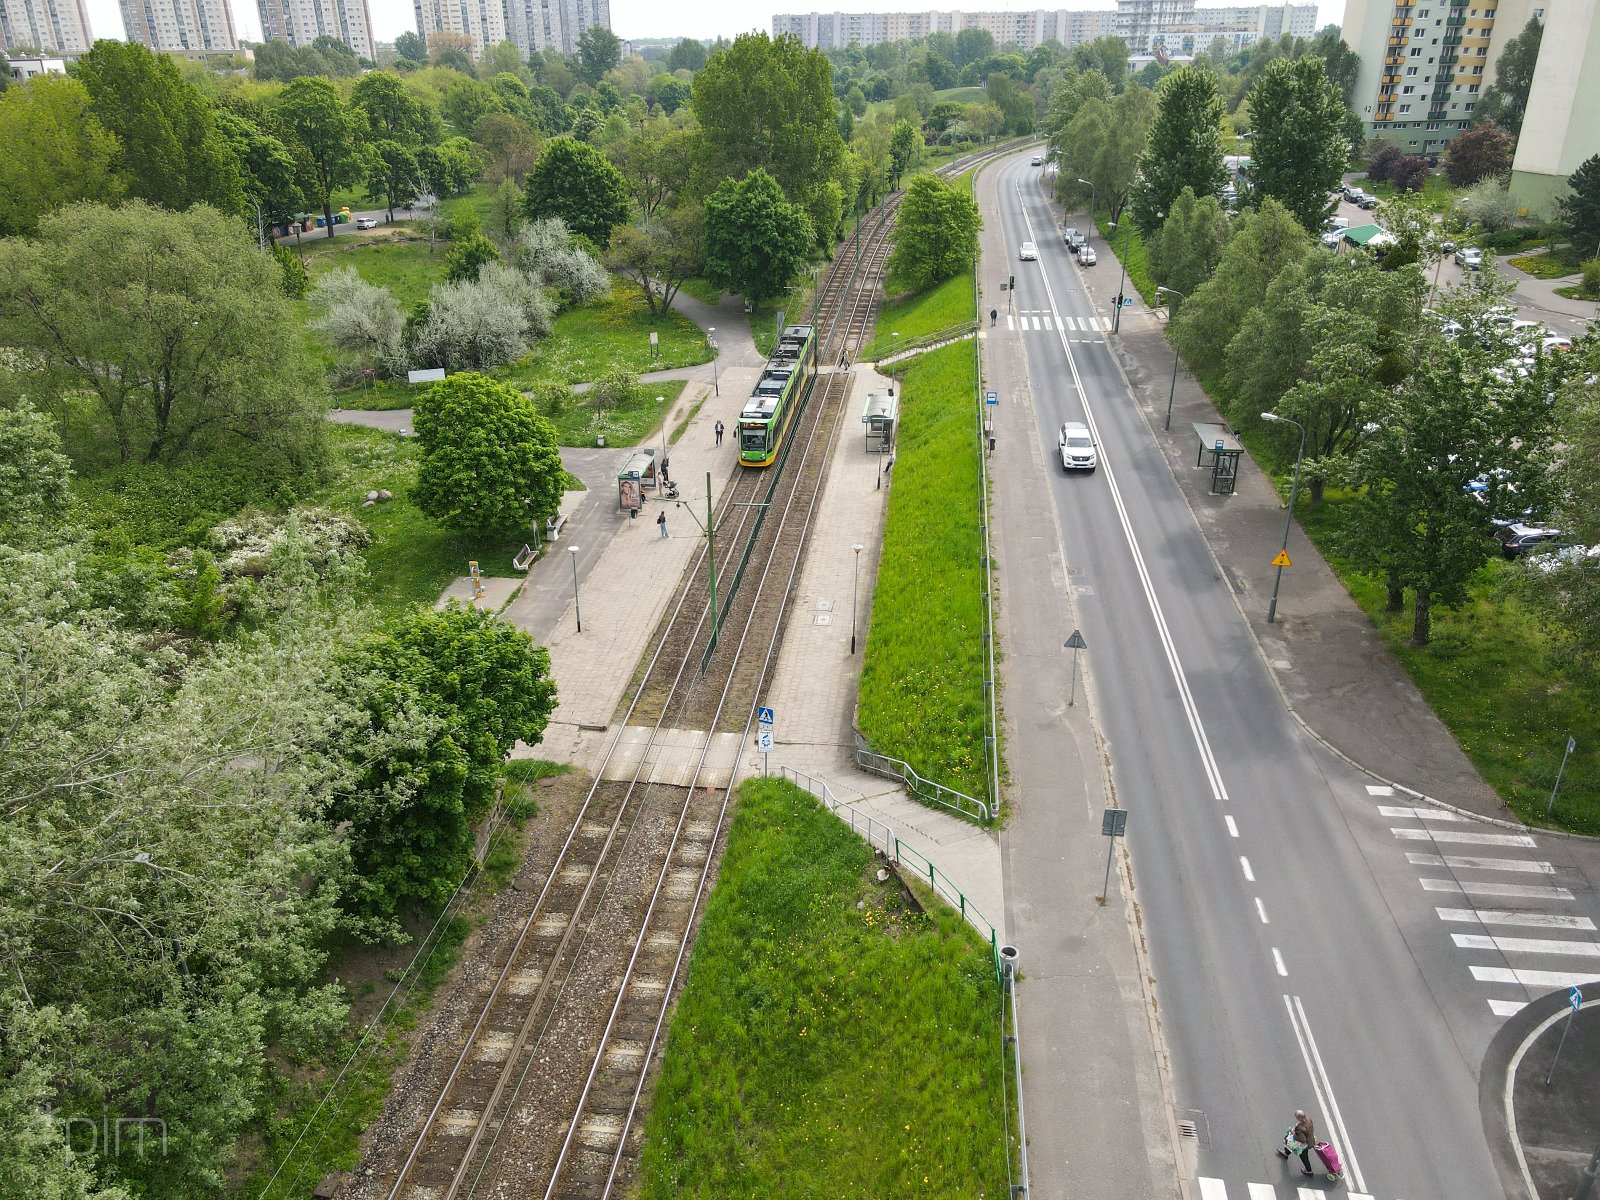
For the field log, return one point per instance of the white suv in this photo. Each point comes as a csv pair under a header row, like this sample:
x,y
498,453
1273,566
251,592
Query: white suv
x,y
1077,448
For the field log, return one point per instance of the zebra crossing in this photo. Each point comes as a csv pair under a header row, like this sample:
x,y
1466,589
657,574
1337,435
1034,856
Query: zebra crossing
x,y
1548,953
1216,1189
1042,321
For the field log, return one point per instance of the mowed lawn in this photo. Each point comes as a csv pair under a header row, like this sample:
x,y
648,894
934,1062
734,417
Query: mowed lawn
x,y
911,315
831,1040
921,695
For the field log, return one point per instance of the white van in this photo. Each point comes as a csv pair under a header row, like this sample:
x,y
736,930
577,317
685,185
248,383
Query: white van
x,y
1336,224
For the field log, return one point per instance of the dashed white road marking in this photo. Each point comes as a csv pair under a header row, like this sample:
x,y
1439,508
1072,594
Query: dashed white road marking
x,y
1467,863
1379,789
1277,958
1531,920
1248,873
1233,830
1262,909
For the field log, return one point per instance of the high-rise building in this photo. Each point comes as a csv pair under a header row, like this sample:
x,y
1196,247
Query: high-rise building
x,y
1024,29
536,25
1559,130
61,26
1151,25
578,16
301,22
484,21
1424,63
193,28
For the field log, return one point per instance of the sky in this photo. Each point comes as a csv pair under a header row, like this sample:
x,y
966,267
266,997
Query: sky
x,y
652,19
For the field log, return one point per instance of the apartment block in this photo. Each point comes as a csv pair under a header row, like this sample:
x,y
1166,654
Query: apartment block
x,y
1425,63
192,28
1024,29
58,26
301,22
484,21
1559,129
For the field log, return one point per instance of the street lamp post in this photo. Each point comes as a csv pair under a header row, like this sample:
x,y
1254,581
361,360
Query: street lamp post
x,y
1090,186
572,553
855,592
1288,520
661,474
1127,231
1171,391
712,342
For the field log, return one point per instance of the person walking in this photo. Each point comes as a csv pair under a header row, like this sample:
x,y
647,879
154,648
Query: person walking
x,y
719,433
1300,1139
661,524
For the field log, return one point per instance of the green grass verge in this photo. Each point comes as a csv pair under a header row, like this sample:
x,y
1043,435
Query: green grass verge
x,y
411,559
701,290
921,695
961,95
1547,264
609,333
577,424
914,314
1437,192
820,1049
1130,248
1577,292
401,264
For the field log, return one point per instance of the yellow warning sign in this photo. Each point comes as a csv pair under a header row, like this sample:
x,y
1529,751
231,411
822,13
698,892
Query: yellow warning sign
x,y
1281,559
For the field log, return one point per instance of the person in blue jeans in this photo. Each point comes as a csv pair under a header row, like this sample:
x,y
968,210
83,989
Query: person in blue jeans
x,y
661,524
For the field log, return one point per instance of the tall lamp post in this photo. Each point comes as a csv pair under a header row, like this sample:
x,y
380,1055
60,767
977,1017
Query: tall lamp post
x,y
572,553
1171,391
1127,230
1288,520
712,342
1090,186
855,592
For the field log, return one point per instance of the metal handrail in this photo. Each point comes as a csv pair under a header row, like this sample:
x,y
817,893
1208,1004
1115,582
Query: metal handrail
x,y
899,770
899,349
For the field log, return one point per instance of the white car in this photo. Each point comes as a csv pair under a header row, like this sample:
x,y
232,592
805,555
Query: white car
x,y
1030,252
1037,160
366,222
1077,447
1086,257
1469,258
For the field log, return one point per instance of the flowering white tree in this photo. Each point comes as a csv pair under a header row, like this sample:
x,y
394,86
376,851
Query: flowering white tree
x,y
545,253
360,319
473,326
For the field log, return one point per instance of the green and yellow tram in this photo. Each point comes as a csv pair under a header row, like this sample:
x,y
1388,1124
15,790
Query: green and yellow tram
x,y
770,410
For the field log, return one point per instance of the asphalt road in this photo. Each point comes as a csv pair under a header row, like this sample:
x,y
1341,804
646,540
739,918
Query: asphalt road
x,y
1296,957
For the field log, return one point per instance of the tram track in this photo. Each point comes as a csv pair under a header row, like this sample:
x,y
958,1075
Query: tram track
x,y
543,1094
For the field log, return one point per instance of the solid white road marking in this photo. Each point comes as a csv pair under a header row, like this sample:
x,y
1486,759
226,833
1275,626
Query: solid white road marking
x,y
1248,873
1233,830
1504,891
1507,1008
1465,863
1421,814
1262,909
1532,920
1277,958
1322,1087
1213,1189
1538,979
1464,838
1518,945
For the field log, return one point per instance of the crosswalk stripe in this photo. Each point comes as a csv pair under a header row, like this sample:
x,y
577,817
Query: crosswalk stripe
x,y
1421,814
1538,979
1379,789
1466,863
1464,838
1262,1191
1506,1008
1504,891
1046,321
1213,1189
1010,322
1518,945
1533,920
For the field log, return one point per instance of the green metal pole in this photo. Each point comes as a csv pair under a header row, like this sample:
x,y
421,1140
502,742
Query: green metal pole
x,y
711,559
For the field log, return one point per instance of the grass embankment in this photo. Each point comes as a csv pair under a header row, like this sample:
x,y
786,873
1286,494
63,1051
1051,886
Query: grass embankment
x,y
921,695
578,425
821,1049
1126,244
413,972
912,315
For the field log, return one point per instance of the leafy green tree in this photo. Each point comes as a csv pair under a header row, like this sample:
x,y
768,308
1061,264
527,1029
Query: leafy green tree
x,y
659,254
1482,152
490,465
935,233
1342,64
1069,96
1505,102
1581,208
467,257
1103,144
905,142
1183,149
159,318
466,101
1018,106
973,45
657,161
1299,151
572,180
767,104
598,51
506,211
450,167
272,193
34,474
410,45
57,152
669,92
1264,243
1108,55
169,149
510,144
1457,417
393,175
1190,243
327,139
391,112
755,240
341,59
688,55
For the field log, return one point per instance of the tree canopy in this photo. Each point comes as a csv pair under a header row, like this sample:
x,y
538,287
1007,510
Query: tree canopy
x,y
1184,149
1299,151
572,180
1505,101
755,240
1580,208
1482,152
56,151
935,233
325,136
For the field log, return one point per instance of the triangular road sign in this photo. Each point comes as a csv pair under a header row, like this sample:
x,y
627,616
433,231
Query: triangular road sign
x,y
1281,559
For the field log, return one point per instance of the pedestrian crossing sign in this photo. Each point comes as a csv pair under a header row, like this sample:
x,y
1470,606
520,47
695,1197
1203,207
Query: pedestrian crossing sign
x,y
765,715
1281,559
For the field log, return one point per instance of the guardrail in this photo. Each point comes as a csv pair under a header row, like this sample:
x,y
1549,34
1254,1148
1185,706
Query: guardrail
x,y
899,770
897,350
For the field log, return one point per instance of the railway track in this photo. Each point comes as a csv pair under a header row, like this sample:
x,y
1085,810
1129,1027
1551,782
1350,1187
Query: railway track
x,y
543,1095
